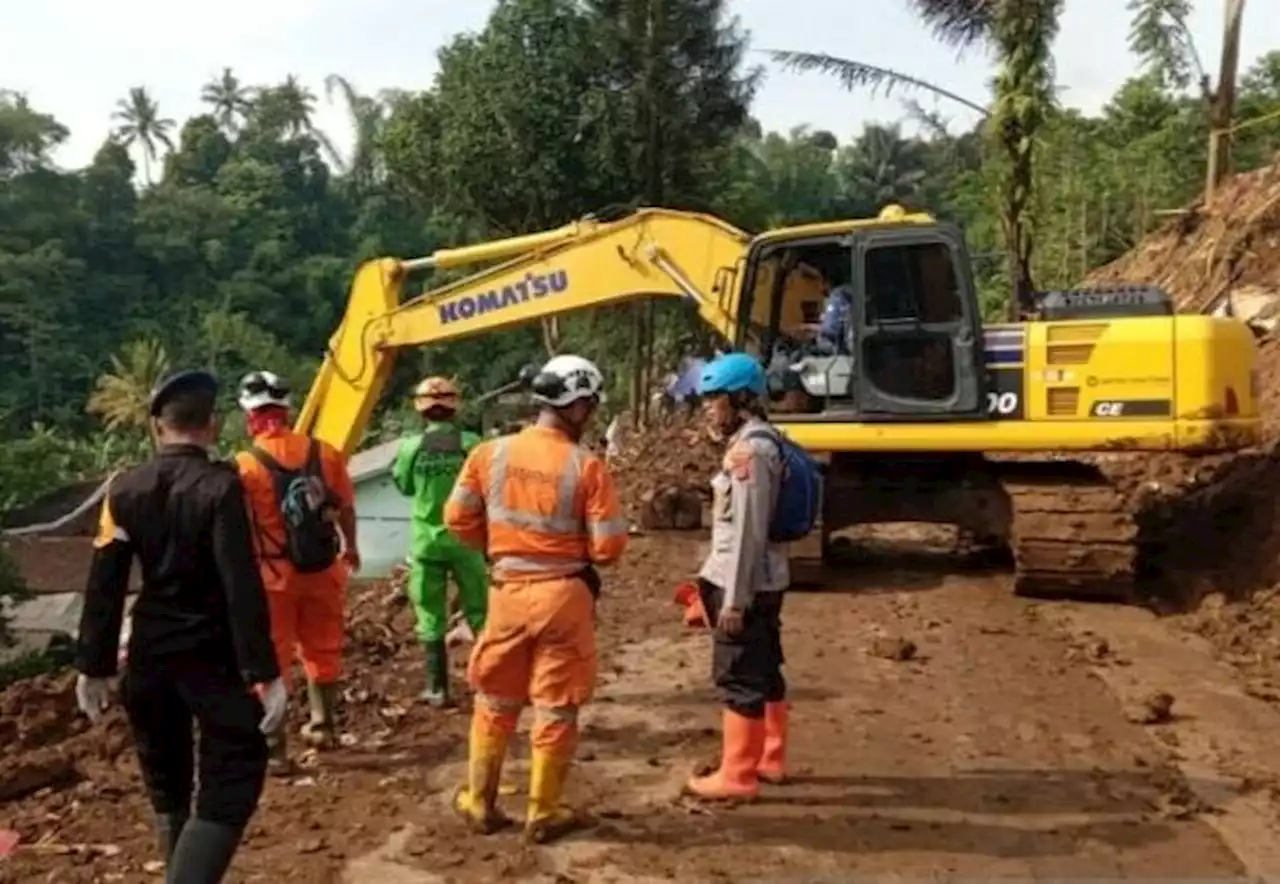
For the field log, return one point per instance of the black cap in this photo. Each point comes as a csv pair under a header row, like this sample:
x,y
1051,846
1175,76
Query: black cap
x,y
191,381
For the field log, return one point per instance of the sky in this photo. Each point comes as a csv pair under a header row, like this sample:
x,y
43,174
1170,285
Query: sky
x,y
104,48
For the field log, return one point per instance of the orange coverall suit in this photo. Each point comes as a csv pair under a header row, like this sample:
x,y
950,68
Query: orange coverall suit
x,y
307,610
545,510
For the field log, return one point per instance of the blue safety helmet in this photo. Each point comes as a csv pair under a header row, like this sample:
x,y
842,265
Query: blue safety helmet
x,y
732,373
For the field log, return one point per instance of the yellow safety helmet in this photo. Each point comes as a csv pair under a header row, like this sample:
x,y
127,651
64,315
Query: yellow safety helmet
x,y
436,391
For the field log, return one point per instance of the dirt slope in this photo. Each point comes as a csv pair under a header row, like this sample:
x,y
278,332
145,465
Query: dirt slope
x,y
1232,243
1224,510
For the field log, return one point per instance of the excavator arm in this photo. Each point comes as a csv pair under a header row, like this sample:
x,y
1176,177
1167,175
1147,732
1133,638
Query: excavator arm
x,y
590,263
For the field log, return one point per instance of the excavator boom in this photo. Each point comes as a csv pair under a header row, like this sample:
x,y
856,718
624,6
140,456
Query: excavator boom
x,y
591,263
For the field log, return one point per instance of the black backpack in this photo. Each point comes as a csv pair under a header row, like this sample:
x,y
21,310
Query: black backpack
x,y
311,541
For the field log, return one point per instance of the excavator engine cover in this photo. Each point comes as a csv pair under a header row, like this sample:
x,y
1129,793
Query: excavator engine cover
x,y
1111,302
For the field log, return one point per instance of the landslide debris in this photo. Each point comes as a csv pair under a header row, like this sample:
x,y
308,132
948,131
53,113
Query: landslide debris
x,y
1214,522
663,474
1227,247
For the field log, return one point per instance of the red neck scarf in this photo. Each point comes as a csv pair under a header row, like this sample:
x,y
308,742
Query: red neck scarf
x,y
268,419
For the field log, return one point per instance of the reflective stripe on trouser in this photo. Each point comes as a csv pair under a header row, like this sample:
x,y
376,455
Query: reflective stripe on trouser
x,y
308,613
538,646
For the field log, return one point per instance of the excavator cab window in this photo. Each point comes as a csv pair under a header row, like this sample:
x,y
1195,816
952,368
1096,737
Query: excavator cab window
x,y
881,325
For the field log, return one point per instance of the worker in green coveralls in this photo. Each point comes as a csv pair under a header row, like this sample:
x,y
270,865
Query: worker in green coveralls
x,y
425,469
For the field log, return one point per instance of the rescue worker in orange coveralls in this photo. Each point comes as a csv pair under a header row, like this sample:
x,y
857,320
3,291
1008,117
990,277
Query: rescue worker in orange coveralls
x,y
546,512
306,546
741,584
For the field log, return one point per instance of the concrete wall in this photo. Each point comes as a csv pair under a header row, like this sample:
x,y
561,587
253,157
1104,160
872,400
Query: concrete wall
x,y
383,521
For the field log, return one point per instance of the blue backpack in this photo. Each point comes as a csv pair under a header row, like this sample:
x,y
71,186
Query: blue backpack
x,y
800,493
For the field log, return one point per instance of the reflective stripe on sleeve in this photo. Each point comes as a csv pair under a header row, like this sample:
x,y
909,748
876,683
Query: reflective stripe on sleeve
x,y
466,499
607,527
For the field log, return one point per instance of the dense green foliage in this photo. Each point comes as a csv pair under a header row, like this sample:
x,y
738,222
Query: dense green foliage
x,y
228,240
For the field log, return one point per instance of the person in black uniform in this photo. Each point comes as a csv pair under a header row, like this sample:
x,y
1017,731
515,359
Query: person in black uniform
x,y
201,636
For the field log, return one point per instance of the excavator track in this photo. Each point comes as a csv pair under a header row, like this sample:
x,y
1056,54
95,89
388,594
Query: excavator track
x,y
1071,537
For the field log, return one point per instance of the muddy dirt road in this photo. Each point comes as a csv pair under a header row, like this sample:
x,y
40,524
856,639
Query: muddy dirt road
x,y
940,727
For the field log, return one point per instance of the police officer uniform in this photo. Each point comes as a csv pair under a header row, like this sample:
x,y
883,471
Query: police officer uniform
x,y
743,579
200,638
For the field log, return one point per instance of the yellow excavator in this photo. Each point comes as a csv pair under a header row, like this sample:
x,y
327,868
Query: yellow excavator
x,y
922,412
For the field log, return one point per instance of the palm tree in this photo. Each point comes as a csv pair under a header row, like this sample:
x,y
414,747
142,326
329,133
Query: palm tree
x,y
1162,37
140,122
120,397
229,98
882,167
1022,32
367,115
298,103
289,108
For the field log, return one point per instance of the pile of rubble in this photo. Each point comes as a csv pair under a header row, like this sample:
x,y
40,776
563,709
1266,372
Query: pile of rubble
x,y
1224,257
664,473
1227,249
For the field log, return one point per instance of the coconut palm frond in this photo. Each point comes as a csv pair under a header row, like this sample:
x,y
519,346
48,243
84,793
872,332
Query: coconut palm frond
x,y
860,75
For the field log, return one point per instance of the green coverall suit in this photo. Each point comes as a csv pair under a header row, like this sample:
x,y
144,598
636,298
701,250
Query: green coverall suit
x,y
426,468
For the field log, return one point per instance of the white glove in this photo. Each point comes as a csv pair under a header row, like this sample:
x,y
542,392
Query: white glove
x,y
275,700
92,695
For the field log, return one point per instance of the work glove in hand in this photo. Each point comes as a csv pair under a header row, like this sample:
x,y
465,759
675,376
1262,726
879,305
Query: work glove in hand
x,y
92,695
275,700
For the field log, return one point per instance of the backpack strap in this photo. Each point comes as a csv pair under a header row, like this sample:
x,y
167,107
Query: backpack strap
x,y
272,466
766,433
313,467
270,463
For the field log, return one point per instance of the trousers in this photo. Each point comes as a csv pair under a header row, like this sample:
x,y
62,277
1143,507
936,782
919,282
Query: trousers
x,y
428,590
747,668
308,614
538,646
164,700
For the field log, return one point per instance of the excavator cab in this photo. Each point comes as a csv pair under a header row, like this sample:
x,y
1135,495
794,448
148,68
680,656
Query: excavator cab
x,y
872,325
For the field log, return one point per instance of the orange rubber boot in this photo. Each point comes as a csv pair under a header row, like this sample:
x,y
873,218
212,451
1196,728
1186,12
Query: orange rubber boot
x,y
735,779
773,761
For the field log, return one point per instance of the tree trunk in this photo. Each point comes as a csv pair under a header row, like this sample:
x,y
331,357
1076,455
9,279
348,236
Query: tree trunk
x,y
1222,104
653,165
551,335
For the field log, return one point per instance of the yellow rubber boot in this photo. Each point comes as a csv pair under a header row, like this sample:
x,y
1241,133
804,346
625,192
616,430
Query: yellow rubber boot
x,y
548,818
773,761
477,802
736,778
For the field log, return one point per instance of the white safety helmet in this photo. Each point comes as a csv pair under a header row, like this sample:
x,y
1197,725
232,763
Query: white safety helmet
x,y
566,379
259,389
